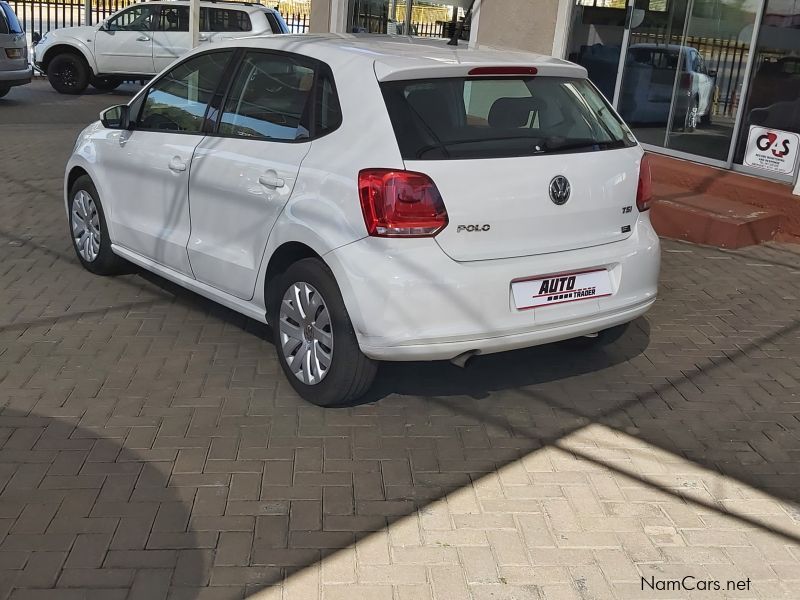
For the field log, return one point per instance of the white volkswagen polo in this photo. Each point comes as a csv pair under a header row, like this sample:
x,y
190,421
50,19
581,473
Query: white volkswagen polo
x,y
375,199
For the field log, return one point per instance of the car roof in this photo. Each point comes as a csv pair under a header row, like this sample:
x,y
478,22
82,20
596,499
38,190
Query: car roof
x,y
402,57
219,4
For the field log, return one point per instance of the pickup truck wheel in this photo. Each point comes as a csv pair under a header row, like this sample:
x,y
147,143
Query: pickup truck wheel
x,y
68,74
106,84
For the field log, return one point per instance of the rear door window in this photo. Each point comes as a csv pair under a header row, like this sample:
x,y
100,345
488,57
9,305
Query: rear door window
x,y
269,99
174,18
460,118
221,19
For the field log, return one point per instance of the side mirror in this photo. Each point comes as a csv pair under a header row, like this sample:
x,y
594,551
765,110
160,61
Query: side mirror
x,y
712,73
103,26
116,117
36,37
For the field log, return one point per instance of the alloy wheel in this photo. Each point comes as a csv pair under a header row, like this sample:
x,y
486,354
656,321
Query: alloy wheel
x,y
68,76
306,333
85,222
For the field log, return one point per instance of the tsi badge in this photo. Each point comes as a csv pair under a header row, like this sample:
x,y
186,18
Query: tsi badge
x,y
560,190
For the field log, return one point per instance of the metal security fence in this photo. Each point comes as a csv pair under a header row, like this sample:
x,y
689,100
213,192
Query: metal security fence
x,y
298,23
45,15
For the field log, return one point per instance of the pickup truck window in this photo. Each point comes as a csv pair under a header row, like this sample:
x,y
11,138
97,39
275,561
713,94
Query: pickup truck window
x,y
136,18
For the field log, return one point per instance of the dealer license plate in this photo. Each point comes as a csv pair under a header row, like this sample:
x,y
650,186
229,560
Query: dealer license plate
x,y
558,289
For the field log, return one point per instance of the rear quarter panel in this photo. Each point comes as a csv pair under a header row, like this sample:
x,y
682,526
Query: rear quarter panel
x,y
324,211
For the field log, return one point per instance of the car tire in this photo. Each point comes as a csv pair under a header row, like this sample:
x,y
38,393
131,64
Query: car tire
x,y
4,91
106,84
68,73
603,338
89,231
309,319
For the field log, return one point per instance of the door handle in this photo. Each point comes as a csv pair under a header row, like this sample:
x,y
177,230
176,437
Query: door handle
x,y
202,38
271,180
143,38
177,165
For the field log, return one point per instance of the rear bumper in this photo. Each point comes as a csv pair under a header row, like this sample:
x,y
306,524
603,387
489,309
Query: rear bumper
x,y
16,77
546,335
409,301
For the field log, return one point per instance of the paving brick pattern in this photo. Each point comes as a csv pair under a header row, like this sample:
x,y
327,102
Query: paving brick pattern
x,y
150,448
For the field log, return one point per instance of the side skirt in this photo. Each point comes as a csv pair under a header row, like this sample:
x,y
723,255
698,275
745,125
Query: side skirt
x,y
244,307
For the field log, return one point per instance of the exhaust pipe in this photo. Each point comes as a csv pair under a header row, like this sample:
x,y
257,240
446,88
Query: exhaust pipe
x,y
462,359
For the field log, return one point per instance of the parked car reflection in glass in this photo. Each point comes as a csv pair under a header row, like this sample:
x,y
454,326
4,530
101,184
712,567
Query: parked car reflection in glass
x,y
650,80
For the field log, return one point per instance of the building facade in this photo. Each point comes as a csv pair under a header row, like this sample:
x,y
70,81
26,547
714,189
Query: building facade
x,y
712,81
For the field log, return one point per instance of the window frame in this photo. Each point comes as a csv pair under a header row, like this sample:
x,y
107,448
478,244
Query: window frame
x,y
221,85
316,65
218,100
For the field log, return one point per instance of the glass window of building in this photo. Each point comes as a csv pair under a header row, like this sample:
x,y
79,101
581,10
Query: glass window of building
x,y
773,98
427,19
676,70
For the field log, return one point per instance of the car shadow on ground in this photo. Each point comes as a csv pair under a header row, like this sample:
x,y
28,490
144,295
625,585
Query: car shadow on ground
x,y
86,504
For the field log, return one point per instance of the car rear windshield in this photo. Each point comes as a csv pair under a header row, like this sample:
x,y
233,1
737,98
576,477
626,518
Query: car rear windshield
x,y
8,20
473,118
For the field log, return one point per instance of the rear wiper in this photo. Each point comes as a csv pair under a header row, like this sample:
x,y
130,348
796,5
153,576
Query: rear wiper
x,y
444,145
579,145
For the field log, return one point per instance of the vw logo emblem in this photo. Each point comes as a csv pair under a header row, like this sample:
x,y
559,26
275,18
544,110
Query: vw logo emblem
x,y
560,190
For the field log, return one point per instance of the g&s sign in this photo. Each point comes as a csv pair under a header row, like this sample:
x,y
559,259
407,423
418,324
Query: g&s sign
x,y
772,149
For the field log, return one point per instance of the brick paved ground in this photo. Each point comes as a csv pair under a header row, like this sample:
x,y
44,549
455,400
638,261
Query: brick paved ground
x,y
150,448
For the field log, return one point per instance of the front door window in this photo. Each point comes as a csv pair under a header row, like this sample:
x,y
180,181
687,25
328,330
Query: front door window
x,y
178,101
136,18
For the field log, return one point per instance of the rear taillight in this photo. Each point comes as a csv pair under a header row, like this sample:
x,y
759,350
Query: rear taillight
x,y
644,193
400,204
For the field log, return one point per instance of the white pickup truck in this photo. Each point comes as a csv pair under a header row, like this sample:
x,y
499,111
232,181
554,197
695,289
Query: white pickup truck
x,y
141,40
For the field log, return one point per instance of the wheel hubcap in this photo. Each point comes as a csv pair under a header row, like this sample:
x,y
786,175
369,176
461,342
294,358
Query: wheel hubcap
x,y
306,334
85,226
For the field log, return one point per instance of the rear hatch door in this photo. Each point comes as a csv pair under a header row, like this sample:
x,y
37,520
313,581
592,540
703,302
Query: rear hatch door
x,y
526,163
502,208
